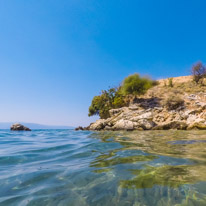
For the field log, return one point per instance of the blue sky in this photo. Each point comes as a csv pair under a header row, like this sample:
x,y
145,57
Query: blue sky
x,y
56,55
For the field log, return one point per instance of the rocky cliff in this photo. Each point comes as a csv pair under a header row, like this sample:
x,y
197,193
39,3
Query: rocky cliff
x,y
182,106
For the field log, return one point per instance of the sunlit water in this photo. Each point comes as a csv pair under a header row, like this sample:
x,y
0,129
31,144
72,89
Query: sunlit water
x,y
64,167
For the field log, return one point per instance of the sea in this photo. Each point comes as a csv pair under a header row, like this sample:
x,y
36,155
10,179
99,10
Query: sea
x,y
85,168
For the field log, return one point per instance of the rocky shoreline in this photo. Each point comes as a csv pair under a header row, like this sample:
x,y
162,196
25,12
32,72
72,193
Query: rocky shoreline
x,y
150,114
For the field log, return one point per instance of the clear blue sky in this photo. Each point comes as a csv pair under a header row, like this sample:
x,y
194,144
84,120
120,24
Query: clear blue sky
x,y
56,55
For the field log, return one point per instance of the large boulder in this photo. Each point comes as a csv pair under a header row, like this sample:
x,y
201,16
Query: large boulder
x,y
19,127
123,125
98,125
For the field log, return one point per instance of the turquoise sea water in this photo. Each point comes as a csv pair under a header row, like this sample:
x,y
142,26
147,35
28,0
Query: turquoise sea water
x,y
64,167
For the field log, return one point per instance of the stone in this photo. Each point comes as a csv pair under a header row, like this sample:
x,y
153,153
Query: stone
x,y
180,125
146,124
123,125
98,125
108,128
192,97
19,127
113,112
150,113
79,128
197,125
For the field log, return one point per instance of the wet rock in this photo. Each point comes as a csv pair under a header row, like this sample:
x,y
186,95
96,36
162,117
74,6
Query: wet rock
x,y
79,128
180,125
197,125
108,128
19,127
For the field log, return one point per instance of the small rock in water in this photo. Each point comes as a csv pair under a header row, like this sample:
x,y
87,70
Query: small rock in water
x,y
79,128
19,127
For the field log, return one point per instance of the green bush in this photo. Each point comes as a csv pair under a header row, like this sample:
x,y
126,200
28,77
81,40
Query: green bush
x,y
118,101
117,97
109,99
136,85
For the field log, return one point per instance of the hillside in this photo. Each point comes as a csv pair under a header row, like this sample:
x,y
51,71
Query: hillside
x,y
177,105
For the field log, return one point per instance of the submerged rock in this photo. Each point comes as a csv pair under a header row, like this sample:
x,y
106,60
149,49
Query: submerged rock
x,y
19,127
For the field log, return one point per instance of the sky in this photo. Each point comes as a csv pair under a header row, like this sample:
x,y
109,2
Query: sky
x,y
56,55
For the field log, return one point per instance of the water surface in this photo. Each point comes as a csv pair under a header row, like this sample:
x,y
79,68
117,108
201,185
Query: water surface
x,y
64,167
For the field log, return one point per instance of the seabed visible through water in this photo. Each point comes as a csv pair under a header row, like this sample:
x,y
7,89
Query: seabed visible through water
x,y
64,167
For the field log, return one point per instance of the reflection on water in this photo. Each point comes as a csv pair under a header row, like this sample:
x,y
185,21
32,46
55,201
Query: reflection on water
x,y
63,167
173,165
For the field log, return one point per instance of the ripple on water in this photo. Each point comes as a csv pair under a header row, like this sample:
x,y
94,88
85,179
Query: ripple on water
x,y
64,167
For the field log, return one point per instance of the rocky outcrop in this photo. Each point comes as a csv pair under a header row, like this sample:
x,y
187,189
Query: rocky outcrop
x,y
147,114
19,127
79,128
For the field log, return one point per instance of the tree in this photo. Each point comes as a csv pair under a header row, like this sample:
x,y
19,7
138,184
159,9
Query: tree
x,y
134,84
116,97
107,100
199,72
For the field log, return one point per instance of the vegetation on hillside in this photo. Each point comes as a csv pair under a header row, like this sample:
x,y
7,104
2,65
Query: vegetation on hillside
x,y
117,97
136,85
108,99
170,93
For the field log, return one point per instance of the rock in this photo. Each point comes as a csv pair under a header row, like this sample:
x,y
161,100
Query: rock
x,y
197,125
146,124
123,125
79,128
200,104
98,125
180,125
108,128
192,97
195,119
113,112
134,107
149,113
19,127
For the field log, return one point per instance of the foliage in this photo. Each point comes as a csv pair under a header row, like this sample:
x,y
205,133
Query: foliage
x,y
136,85
170,82
111,98
199,72
119,100
114,98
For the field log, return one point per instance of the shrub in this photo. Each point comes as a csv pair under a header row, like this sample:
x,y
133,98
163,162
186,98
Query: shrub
x,y
170,84
118,97
134,84
173,102
198,72
109,99
119,100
